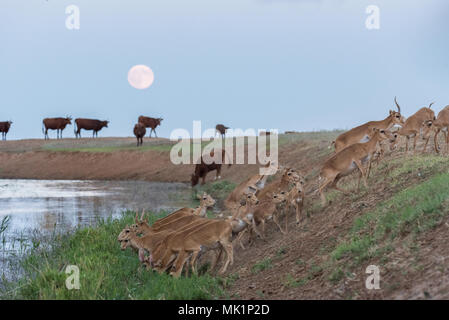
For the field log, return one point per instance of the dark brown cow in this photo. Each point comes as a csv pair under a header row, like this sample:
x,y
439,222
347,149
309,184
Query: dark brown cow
x,y
4,128
57,124
202,169
221,129
150,123
89,124
139,132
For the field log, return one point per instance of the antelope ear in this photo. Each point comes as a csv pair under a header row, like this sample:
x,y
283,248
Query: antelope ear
x,y
137,219
252,189
391,112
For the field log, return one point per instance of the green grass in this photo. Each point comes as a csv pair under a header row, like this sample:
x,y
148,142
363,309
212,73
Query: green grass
x,y
262,265
108,149
106,272
219,189
291,282
419,165
409,212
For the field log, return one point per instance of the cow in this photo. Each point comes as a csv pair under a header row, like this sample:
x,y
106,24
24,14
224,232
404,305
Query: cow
x,y
139,132
4,128
57,124
203,168
89,124
221,129
150,123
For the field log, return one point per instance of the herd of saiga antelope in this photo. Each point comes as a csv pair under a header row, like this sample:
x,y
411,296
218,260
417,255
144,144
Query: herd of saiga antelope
x,y
187,233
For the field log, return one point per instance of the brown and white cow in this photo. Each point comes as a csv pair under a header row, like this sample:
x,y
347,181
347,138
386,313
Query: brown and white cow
x,y
139,132
89,124
204,167
57,124
150,123
4,128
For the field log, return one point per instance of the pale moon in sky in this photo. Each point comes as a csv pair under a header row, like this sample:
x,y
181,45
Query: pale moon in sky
x,y
140,76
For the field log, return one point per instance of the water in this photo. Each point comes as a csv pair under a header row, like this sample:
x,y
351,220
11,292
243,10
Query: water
x,y
48,206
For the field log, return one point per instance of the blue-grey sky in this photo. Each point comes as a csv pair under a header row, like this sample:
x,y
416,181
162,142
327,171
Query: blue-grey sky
x,y
281,64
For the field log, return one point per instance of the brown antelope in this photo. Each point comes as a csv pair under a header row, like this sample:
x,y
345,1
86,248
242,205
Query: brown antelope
x,y
151,239
413,126
364,132
243,217
293,199
440,124
258,181
264,211
289,176
347,160
190,241
386,146
206,201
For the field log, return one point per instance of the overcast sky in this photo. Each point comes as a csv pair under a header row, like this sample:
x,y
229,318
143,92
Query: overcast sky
x,y
281,64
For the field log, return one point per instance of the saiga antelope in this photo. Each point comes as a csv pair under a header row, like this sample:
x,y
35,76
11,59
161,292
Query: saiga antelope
x,y
293,199
347,160
258,181
414,125
206,201
440,124
190,241
364,132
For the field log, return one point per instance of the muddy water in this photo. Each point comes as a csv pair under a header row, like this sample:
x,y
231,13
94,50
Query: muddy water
x,y
59,206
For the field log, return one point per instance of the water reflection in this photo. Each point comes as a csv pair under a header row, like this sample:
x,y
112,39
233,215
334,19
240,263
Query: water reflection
x,y
65,204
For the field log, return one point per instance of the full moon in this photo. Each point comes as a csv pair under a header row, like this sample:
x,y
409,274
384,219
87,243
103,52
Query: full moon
x,y
140,77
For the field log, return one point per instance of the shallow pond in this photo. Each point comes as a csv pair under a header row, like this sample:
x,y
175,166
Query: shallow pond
x,y
46,206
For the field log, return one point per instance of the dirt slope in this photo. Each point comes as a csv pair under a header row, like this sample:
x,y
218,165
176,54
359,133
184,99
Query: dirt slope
x,y
302,264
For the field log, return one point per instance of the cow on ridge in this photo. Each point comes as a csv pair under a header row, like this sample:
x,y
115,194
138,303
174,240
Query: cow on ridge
x,y
57,124
150,123
221,129
4,128
139,132
89,124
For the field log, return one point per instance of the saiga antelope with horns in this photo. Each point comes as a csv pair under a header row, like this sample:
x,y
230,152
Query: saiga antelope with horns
x,y
440,124
364,132
347,160
415,124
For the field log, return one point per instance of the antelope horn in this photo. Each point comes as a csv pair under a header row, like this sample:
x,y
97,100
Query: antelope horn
x,y
143,213
397,105
431,104
137,219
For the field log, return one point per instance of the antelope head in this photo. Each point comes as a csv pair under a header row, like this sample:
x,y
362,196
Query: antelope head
x,y
427,128
396,115
206,200
141,224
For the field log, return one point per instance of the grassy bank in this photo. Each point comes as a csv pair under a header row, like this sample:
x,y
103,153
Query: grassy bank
x,y
106,272
403,218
